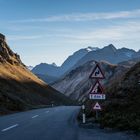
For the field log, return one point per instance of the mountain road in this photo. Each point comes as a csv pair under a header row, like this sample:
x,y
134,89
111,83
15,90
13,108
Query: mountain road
x,y
56,123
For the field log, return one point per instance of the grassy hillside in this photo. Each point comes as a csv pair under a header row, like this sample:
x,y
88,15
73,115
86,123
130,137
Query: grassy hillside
x,y
19,88
121,110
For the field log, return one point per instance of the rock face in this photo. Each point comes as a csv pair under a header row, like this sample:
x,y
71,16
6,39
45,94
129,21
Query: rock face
x,y
2,37
19,88
6,54
77,84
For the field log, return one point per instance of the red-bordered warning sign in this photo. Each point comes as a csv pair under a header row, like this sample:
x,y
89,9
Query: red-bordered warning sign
x,y
97,88
97,106
97,92
97,73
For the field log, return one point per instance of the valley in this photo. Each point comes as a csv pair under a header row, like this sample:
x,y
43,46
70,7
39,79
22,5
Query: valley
x,y
69,70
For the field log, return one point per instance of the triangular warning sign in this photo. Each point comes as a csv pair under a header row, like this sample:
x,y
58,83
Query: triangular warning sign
x,y
97,106
97,88
97,73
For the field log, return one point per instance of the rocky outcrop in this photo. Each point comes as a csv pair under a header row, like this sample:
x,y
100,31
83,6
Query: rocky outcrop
x,y
2,37
6,54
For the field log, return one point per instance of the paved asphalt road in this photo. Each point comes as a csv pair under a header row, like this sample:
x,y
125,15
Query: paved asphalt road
x,y
58,123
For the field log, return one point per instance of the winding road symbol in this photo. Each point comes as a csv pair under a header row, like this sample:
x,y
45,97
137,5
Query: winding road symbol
x,y
97,73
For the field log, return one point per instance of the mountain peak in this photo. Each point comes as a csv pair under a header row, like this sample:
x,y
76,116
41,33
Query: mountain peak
x,y
6,54
89,48
110,47
54,64
2,37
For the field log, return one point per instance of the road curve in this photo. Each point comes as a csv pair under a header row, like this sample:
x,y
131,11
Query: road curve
x,y
58,123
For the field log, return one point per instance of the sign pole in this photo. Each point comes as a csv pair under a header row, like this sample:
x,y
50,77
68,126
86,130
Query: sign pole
x,y
96,114
83,115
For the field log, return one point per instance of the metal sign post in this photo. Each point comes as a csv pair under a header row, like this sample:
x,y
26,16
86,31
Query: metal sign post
x,y
96,115
96,108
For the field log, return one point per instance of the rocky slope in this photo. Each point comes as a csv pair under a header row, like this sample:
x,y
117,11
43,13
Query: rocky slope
x,y
130,62
47,78
19,88
77,84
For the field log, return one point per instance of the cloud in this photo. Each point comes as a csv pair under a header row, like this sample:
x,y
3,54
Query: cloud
x,y
85,17
18,37
122,32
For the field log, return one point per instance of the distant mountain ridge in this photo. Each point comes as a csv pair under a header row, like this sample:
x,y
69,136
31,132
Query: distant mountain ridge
x,y
52,70
71,60
108,53
45,69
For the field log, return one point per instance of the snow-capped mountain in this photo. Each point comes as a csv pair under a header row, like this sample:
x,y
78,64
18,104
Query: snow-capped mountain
x,y
74,58
53,70
89,48
108,53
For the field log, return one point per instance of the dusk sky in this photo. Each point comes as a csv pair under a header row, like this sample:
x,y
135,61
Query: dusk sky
x,y
51,30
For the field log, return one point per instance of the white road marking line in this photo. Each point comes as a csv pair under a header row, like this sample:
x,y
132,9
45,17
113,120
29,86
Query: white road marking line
x,y
35,116
46,111
10,127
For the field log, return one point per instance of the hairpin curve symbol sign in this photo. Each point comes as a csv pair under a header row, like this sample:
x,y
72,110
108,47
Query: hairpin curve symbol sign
x,y
97,73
